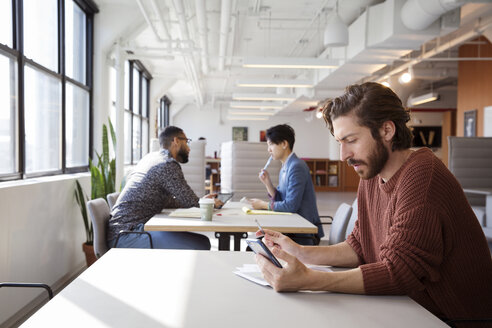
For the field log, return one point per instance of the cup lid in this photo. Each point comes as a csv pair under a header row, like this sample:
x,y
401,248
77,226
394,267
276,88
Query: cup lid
x,y
206,201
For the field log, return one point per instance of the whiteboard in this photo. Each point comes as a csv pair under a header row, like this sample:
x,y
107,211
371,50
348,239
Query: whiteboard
x,y
487,121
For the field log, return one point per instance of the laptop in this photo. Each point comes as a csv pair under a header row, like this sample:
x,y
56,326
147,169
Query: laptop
x,y
225,197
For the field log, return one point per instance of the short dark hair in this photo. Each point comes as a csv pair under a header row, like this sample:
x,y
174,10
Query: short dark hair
x,y
372,104
166,137
281,132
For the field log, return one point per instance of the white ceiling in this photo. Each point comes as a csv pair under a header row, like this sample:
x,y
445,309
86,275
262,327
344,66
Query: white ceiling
x,y
188,69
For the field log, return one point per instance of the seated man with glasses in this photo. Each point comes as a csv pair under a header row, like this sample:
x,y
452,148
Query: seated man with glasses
x,y
157,183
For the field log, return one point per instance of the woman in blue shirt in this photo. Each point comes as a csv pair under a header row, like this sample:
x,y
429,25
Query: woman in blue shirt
x,y
295,190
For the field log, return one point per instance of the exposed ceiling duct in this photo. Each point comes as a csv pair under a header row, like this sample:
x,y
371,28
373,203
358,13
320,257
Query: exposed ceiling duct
x,y
420,14
225,22
201,17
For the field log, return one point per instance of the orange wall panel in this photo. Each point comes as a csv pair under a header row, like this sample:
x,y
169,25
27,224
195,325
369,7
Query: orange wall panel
x,y
474,83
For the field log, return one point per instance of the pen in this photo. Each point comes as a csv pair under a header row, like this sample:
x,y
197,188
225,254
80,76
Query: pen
x,y
259,226
267,163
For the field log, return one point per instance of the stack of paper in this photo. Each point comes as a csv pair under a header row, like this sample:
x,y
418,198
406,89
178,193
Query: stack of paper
x,y
253,273
192,212
263,212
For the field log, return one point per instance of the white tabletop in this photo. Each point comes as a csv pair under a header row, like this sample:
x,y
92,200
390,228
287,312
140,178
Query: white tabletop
x,y
231,219
180,288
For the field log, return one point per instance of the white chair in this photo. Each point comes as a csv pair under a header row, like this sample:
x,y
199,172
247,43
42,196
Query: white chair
x,y
339,224
99,213
112,198
353,218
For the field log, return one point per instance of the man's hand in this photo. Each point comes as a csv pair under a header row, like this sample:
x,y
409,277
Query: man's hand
x,y
258,204
275,239
217,202
265,177
292,277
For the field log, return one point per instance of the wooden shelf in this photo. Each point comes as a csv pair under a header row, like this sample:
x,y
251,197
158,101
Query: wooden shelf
x,y
325,174
328,175
214,165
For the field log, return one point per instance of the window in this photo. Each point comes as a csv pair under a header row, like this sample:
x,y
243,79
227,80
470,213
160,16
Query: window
x,y
164,113
137,83
45,86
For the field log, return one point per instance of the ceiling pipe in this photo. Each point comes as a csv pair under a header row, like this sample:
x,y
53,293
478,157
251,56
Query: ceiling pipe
x,y
420,14
161,19
201,18
474,32
188,60
225,21
147,19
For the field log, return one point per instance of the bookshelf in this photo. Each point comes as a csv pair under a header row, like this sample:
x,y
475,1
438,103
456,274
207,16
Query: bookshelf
x,y
325,174
212,185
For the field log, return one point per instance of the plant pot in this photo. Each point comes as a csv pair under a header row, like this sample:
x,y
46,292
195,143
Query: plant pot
x,y
90,256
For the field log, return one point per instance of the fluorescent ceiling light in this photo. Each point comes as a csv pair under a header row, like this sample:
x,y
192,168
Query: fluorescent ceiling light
x,y
425,98
263,96
275,83
246,118
258,113
258,104
289,62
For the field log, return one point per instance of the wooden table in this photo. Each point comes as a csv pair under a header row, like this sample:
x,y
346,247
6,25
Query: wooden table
x,y
180,288
231,221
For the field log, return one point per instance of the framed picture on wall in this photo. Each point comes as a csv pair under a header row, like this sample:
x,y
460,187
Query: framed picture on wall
x,y
470,123
239,133
263,135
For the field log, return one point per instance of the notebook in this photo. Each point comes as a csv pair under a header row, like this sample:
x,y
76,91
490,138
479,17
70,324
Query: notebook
x,y
263,212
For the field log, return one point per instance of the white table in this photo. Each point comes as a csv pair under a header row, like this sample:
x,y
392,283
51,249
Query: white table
x,y
181,288
231,220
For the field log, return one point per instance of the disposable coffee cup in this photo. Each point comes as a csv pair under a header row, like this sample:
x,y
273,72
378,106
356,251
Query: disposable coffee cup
x,y
206,208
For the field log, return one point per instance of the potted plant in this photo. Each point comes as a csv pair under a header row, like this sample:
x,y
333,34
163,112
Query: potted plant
x,y
103,176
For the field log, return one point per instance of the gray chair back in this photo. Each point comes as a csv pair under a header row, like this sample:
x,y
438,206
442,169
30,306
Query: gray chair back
x,y
339,224
100,215
470,160
112,198
353,218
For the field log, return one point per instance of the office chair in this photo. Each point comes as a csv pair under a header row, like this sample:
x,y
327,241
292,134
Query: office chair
x,y
112,198
353,218
28,285
100,215
339,224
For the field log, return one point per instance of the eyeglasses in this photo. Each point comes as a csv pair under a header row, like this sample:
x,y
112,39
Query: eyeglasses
x,y
188,140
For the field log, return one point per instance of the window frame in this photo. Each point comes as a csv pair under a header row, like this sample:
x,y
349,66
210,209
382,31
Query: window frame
x,y
90,9
143,74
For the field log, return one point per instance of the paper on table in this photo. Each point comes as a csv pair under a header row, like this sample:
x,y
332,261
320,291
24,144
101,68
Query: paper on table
x,y
192,212
263,212
253,273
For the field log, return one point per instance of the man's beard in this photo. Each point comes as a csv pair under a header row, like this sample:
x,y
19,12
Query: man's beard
x,y
376,161
182,156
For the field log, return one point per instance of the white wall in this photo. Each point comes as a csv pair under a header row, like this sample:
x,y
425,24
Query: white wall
x,y
41,236
312,138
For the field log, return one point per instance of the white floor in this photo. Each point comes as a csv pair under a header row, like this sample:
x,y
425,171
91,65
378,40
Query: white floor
x,y
328,203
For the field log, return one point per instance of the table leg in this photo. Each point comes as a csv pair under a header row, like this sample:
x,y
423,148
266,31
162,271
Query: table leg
x,y
225,239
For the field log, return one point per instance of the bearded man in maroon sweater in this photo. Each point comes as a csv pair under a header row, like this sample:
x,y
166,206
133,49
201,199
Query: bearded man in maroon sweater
x,y
416,234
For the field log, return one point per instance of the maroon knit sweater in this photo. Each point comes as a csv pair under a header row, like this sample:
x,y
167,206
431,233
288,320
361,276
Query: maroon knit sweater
x,y
417,235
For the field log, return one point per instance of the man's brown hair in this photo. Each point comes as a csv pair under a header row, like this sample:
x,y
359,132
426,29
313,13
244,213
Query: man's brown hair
x,y
372,104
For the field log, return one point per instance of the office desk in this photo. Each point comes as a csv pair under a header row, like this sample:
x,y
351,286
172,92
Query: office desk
x,y
487,192
231,221
180,288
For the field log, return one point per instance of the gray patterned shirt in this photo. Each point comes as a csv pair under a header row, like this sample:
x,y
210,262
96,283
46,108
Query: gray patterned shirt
x,y
156,183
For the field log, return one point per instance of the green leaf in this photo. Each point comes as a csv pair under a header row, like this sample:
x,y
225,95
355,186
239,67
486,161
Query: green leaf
x,y
81,199
113,135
